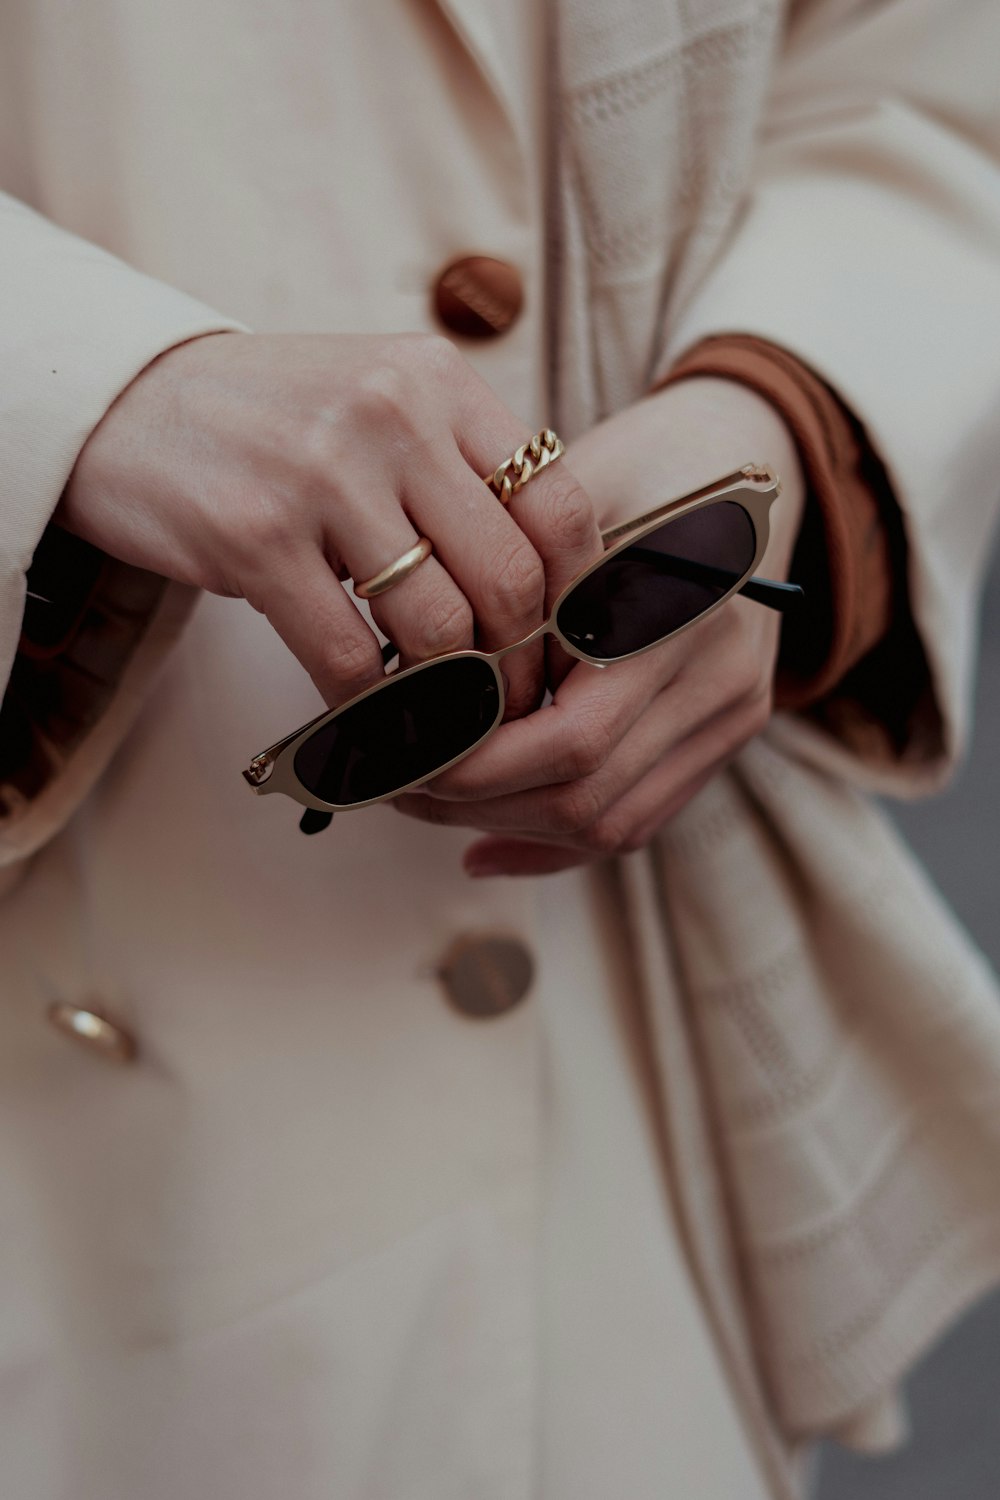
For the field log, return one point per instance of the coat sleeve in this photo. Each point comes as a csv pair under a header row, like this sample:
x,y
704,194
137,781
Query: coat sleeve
x,y
869,247
76,326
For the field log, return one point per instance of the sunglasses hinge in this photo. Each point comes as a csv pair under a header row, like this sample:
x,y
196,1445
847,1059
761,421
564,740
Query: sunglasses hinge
x,y
762,474
259,769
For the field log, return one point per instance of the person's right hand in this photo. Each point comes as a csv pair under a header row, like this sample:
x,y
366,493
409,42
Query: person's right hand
x,y
269,467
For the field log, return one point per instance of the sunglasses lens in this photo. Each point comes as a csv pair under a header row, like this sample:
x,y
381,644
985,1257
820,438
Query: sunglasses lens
x,y
403,733
666,580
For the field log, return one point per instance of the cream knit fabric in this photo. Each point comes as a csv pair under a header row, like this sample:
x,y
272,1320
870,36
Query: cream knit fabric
x,y
828,1038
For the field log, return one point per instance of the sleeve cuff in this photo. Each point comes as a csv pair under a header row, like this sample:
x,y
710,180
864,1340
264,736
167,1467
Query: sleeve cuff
x,y
77,326
64,716
852,659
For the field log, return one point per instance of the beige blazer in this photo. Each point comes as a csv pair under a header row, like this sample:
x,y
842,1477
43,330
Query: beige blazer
x,y
295,1244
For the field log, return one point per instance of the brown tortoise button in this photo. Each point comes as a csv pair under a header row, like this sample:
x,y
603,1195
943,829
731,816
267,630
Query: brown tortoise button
x,y
486,975
478,297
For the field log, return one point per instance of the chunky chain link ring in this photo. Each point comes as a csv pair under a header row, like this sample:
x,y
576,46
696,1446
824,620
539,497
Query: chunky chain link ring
x,y
544,448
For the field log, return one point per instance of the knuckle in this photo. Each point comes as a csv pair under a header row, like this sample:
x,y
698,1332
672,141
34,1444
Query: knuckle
x,y
432,810
382,395
606,836
356,665
314,444
591,744
517,580
267,529
576,808
310,446
569,515
445,623
432,354
638,838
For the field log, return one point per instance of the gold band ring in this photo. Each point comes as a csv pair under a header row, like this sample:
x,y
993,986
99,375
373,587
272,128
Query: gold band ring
x,y
395,572
544,448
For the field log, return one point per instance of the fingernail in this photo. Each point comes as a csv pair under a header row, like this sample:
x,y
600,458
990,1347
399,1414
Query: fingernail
x,y
480,868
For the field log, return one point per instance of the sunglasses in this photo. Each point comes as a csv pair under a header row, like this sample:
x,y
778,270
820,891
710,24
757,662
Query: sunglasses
x,y
659,574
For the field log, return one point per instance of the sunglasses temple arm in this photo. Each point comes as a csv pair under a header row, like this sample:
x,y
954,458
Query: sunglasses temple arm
x,y
767,591
314,821
776,595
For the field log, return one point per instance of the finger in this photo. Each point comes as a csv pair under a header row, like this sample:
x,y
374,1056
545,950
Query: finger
x,y
320,626
554,511
558,516
663,791
594,709
673,802
507,856
425,613
494,563
564,810
600,811
572,737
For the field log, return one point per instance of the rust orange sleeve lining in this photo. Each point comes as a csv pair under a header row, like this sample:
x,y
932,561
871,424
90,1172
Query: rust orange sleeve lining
x,y
852,659
843,556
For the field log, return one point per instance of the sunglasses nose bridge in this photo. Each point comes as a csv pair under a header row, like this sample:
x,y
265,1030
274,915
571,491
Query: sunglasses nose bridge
x,y
546,628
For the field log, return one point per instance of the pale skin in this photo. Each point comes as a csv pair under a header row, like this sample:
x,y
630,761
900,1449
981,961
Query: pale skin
x,y
270,467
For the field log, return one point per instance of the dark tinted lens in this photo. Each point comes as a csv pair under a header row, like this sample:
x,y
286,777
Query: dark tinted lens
x,y
664,581
403,733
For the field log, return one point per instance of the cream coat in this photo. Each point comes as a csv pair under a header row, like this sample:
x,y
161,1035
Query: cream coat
x,y
325,1235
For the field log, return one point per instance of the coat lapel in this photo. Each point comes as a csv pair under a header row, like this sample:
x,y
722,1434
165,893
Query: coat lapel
x,y
474,23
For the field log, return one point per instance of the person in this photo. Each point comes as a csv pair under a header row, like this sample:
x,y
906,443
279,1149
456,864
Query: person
x,y
410,1183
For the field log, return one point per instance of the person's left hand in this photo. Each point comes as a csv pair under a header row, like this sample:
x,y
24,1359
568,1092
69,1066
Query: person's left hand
x,y
620,750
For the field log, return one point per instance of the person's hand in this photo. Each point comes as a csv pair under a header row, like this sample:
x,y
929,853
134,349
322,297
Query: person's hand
x,y
620,750
270,467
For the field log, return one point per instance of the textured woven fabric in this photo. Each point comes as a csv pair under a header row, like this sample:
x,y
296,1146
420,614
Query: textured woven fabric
x,y
843,557
827,1038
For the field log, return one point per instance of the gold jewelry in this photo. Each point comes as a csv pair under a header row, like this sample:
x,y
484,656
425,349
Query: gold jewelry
x,y
329,779
544,448
317,781
395,572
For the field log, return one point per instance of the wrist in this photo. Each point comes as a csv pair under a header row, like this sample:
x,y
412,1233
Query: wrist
x,y
126,441
683,436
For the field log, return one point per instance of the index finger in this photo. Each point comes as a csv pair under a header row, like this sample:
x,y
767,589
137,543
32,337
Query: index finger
x,y
568,738
551,507
557,515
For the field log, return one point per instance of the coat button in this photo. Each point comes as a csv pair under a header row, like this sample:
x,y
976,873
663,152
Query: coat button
x,y
485,976
478,297
93,1030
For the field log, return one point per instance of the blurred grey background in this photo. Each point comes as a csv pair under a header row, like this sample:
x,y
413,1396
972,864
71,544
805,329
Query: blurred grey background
x,y
954,1397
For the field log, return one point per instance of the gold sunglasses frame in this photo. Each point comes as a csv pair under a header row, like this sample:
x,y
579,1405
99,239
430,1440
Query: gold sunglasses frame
x,y
755,486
